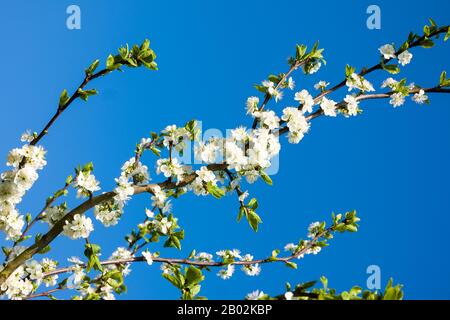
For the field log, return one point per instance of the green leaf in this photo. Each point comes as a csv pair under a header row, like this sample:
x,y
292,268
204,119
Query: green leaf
x,y
90,70
85,94
266,178
291,264
427,43
391,68
173,280
145,45
193,276
447,35
214,190
253,204
300,52
349,70
242,212
28,218
44,250
155,151
253,219
64,97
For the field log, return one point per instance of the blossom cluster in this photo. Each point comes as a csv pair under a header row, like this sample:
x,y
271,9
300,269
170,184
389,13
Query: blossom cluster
x,y
25,162
132,172
28,277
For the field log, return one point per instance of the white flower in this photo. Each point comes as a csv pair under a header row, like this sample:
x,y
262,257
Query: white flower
x,y
388,51
288,295
207,152
250,269
313,68
352,105
268,84
227,272
314,250
243,196
17,286
321,85
76,278
204,256
25,177
420,97
355,81
296,122
53,214
75,260
312,229
148,257
170,168
239,134
27,136
291,83
328,107
255,295
159,197
109,212
269,119
205,175
135,171
389,82
79,227
34,270
405,58
164,225
252,105
293,248
86,183
229,254
277,94
124,189
305,99
149,213
397,99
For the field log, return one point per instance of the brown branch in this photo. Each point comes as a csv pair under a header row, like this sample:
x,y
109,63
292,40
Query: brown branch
x,y
267,97
204,263
61,109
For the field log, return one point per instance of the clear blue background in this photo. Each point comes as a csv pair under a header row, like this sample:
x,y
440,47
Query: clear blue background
x,y
390,165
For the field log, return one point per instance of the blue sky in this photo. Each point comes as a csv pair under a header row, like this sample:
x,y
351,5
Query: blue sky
x,y
390,165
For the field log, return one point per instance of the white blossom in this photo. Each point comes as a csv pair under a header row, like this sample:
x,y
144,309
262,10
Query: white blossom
x,y
291,83
305,99
79,227
352,105
420,97
405,57
389,83
252,105
397,99
321,85
255,295
355,81
27,136
329,107
159,197
269,119
227,272
388,51
148,257
289,295
296,123
86,184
